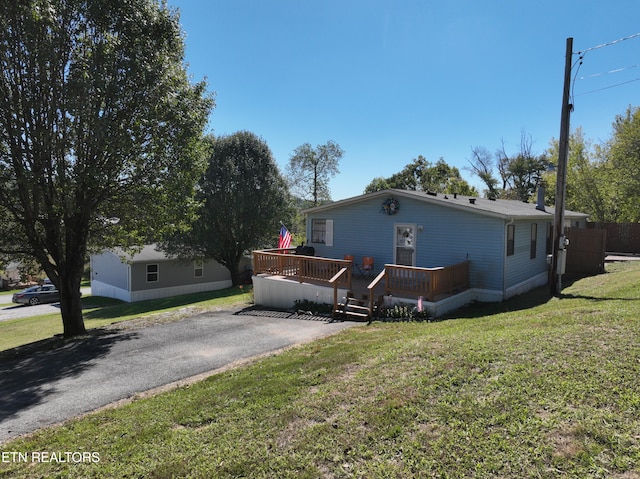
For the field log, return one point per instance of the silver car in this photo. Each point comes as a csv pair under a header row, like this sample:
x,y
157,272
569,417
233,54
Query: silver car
x,y
46,293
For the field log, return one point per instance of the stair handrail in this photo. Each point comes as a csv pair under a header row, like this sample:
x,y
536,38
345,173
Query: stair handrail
x,y
334,282
372,286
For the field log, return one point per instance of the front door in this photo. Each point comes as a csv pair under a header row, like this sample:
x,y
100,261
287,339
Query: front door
x,y
405,245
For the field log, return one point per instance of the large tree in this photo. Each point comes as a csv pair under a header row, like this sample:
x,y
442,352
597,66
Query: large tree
x,y
587,179
310,169
422,175
243,199
520,173
100,132
621,157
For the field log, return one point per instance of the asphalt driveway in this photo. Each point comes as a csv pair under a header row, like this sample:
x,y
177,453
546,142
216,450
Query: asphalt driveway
x,y
42,385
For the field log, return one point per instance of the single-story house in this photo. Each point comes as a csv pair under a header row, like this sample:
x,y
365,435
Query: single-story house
x,y
151,274
505,243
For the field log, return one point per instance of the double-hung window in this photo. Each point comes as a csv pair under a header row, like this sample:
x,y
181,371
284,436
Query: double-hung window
x,y
152,273
198,269
322,231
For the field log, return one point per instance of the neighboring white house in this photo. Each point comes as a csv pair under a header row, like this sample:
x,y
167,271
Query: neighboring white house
x,y
150,274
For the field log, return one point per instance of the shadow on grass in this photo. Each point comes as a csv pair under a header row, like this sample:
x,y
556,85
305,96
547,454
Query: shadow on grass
x,y
111,309
30,374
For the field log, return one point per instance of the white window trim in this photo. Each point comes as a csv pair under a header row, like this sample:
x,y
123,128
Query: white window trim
x,y
198,265
157,272
328,232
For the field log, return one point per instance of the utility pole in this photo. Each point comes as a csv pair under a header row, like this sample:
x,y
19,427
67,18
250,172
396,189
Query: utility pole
x,y
559,240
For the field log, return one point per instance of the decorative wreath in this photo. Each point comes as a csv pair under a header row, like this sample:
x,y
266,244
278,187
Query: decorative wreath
x,y
390,206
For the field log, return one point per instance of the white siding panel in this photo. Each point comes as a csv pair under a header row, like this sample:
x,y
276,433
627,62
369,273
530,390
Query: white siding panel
x,y
279,292
178,290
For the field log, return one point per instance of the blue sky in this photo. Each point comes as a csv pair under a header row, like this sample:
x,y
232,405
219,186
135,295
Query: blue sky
x,y
389,80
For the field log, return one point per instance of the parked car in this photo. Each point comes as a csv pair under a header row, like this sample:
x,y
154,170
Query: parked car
x,y
46,293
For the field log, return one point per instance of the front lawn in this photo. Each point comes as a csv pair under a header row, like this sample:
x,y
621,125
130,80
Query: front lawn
x,y
534,387
100,312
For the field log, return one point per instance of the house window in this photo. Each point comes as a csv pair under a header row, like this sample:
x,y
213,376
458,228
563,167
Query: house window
x,y
152,273
549,238
198,269
322,232
511,236
534,240
318,231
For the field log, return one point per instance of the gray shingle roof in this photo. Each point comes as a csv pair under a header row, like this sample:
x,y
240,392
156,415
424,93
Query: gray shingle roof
x,y
508,209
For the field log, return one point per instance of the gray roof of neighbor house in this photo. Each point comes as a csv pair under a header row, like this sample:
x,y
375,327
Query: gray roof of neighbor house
x,y
144,255
507,209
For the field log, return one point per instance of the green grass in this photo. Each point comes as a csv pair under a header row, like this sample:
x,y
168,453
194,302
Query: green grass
x,y
534,387
100,312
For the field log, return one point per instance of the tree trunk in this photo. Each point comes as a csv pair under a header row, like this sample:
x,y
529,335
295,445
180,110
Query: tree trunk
x,y
71,305
235,274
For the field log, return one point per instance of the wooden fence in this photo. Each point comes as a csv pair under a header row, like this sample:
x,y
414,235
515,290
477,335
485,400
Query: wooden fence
x,y
621,237
586,251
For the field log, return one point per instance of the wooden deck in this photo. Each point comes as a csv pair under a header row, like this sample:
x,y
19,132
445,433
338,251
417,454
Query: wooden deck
x,y
432,284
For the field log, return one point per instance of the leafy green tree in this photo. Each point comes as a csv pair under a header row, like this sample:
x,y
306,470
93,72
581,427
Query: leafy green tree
x,y
622,160
586,178
310,169
421,175
243,199
100,132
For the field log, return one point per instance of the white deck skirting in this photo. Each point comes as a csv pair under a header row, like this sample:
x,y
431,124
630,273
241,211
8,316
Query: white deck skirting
x,y
281,293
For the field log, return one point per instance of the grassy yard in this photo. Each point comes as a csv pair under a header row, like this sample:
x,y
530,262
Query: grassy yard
x,y
534,387
99,312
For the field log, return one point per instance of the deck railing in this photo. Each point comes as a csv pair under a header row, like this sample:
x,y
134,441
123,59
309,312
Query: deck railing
x,y
410,281
283,262
430,283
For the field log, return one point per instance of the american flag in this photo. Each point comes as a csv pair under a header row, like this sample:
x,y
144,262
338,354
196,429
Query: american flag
x,y
285,238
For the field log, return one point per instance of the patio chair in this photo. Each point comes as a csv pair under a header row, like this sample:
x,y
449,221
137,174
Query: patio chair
x,y
366,269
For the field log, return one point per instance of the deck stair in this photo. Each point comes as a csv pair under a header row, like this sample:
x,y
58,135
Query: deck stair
x,y
353,308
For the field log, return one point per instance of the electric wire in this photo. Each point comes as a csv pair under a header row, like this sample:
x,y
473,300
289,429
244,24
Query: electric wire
x,y
617,70
608,44
579,61
607,87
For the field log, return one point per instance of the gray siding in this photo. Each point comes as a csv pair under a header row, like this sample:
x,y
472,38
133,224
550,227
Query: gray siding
x,y
173,273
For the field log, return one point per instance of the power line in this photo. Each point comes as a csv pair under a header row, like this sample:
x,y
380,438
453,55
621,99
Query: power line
x,y
606,87
579,61
615,42
617,70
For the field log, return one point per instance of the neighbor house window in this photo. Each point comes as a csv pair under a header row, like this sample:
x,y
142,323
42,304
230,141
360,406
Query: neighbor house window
x,y
511,237
534,238
152,273
549,238
198,269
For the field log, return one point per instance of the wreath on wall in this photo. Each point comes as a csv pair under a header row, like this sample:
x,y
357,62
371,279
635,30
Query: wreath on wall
x,y
390,206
